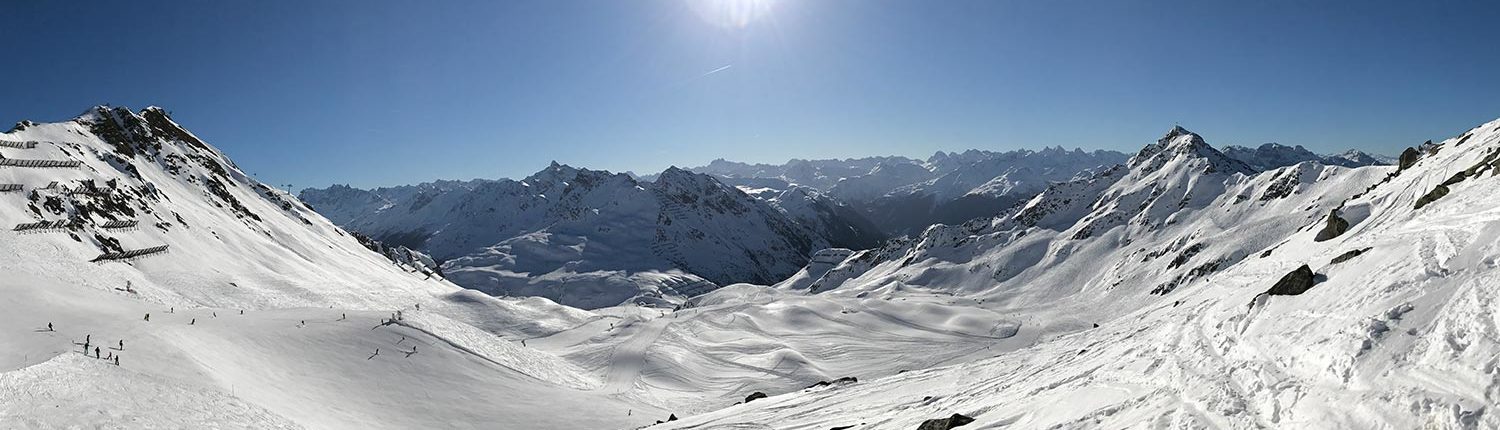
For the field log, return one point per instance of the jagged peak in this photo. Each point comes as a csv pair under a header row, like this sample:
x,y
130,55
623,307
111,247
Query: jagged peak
x,y
1177,130
1180,142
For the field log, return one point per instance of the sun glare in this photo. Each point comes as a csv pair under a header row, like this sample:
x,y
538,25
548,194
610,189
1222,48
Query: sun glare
x,y
732,13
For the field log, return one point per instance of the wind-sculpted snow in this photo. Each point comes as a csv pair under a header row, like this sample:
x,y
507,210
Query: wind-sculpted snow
x,y
743,339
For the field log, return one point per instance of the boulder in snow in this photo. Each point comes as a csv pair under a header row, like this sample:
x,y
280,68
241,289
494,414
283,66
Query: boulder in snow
x,y
1297,282
945,423
1334,227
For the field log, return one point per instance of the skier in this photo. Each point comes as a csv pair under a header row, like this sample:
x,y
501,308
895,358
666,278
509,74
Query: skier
x,y
86,338
242,311
523,342
193,322
148,317
419,306
122,344
172,310
216,314
117,360
49,327
96,353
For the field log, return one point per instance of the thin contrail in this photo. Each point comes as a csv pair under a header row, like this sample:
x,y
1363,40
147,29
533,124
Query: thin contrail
x,y
710,72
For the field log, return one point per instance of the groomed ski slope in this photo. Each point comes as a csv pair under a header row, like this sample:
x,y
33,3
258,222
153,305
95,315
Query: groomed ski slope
x,y
285,368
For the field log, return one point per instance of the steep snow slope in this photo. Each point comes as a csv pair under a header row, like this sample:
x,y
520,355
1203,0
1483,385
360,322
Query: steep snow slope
x,y
160,185
1397,330
312,298
594,239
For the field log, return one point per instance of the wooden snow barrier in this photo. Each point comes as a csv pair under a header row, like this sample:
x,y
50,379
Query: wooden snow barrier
x,y
9,187
13,162
41,225
134,253
18,145
124,223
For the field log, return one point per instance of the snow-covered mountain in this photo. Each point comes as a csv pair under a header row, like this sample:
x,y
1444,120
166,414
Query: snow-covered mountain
x,y
594,239
1182,288
818,174
1185,289
901,195
1273,155
973,184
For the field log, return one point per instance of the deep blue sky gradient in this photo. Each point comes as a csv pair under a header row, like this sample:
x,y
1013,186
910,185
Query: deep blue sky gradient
x,y
393,92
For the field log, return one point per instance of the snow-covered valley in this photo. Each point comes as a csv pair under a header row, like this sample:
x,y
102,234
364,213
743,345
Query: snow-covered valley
x,y
1119,294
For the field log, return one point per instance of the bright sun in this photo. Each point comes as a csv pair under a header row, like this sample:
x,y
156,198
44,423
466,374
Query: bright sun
x,y
732,13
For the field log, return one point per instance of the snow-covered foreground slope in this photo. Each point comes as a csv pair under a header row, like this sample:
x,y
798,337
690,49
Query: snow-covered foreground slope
x,y
283,368
1397,330
313,298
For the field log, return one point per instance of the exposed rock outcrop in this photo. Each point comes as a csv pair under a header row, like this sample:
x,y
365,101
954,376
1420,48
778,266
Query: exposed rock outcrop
x,y
1348,256
1432,196
1408,158
1334,227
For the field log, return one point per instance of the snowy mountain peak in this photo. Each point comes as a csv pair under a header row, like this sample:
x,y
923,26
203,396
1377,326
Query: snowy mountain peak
x,y
1186,146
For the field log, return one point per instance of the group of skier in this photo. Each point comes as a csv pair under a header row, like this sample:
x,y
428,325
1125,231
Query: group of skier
x,y
88,340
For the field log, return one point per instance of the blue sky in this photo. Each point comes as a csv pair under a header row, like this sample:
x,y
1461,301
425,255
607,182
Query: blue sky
x,y
375,93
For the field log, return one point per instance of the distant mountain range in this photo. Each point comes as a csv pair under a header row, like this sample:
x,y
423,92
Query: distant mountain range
x,y
591,238
903,196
